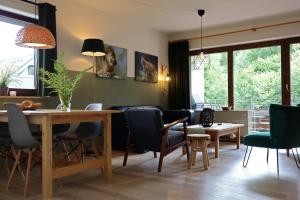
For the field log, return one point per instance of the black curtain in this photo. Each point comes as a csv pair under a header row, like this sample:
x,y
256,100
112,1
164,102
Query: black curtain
x,y
179,69
47,18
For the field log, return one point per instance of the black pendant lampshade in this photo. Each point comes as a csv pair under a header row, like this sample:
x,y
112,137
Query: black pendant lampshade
x,y
93,47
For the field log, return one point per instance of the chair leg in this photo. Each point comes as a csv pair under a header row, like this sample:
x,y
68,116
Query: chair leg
x,y
126,150
66,151
277,162
187,151
161,158
298,155
297,161
192,154
73,150
267,155
14,154
29,161
155,155
204,154
12,173
94,148
82,151
246,163
207,153
6,164
288,152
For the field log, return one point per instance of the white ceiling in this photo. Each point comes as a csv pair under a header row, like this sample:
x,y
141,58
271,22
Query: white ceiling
x,y
181,15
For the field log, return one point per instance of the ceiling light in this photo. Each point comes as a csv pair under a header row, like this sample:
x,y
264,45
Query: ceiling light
x,y
199,61
35,36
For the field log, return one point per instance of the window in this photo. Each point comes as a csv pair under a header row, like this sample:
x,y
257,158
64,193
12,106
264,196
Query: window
x,y
257,78
18,59
259,74
295,73
209,84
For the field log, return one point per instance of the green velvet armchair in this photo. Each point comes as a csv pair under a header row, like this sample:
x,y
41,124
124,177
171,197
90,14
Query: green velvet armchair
x,y
284,133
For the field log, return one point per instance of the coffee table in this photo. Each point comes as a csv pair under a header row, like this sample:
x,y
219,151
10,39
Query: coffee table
x,y
216,131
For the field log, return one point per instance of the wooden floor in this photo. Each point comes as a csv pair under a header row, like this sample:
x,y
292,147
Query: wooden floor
x,y
225,179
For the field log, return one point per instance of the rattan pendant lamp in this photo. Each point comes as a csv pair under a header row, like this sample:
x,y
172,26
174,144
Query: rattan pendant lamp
x,y
35,36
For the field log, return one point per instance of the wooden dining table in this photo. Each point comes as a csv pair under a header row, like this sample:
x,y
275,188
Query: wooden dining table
x,y
46,118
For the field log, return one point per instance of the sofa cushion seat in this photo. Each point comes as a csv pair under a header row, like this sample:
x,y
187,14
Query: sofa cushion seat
x,y
175,137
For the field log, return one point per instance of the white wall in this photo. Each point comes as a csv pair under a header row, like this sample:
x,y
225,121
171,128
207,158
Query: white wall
x,y
76,22
243,37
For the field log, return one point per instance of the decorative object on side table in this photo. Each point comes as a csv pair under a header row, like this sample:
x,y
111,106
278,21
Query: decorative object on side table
x,y
61,82
207,117
146,67
7,76
227,108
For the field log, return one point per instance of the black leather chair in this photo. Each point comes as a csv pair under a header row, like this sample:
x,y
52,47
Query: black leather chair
x,y
119,127
148,132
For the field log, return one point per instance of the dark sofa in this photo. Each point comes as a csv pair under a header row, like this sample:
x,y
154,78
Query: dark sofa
x,y
119,125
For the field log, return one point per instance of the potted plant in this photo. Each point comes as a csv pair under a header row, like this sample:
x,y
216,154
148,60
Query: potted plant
x,y
61,82
7,76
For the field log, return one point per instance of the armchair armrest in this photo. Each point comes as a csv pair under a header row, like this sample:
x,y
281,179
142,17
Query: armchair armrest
x,y
182,120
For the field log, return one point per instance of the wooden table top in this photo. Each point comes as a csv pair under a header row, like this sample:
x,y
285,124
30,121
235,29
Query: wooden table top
x,y
58,112
215,127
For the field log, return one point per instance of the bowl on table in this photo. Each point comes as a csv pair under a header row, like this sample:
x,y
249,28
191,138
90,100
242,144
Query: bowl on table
x,y
227,108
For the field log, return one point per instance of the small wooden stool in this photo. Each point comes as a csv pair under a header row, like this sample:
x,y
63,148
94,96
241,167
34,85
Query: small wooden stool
x,y
199,143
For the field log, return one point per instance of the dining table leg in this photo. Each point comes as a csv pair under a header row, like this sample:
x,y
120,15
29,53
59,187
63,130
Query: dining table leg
x,y
107,152
47,158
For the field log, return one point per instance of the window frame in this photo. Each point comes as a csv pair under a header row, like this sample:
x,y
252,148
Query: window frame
x,y
285,63
225,52
16,16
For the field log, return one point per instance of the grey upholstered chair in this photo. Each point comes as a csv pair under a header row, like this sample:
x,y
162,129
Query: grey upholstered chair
x,y
86,132
147,132
22,139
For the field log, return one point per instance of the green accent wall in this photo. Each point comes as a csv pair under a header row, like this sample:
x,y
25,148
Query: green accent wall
x,y
110,92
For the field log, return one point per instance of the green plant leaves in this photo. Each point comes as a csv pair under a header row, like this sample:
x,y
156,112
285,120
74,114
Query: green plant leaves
x,y
60,80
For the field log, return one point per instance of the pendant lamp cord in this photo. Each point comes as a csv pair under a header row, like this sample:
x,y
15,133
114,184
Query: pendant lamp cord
x,y
201,34
36,7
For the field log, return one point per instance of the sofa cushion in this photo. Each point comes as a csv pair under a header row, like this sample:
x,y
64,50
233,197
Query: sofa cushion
x,y
173,115
175,137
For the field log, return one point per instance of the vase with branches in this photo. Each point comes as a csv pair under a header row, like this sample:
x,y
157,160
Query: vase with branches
x,y
61,82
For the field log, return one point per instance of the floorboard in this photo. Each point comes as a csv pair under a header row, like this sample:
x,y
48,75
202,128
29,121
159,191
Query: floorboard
x,y
225,179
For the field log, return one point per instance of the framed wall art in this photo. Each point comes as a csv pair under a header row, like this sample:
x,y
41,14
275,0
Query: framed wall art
x,y
113,64
146,67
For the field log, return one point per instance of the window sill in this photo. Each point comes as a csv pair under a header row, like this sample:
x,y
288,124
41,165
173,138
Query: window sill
x,y
23,97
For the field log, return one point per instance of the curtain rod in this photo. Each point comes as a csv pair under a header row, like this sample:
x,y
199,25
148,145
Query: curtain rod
x,y
238,31
30,2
